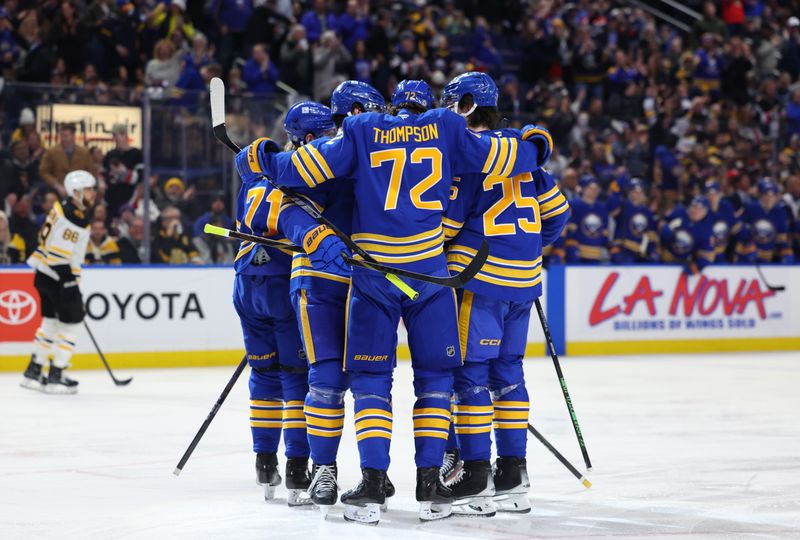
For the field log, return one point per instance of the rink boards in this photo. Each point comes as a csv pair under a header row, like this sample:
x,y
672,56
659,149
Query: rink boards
x,y
154,316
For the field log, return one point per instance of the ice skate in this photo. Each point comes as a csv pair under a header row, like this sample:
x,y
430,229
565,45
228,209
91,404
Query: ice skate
x,y
57,383
389,493
451,466
298,479
473,490
511,485
33,379
324,489
267,473
362,504
435,499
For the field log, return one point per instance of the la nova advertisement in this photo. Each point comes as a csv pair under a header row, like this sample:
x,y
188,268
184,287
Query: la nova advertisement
x,y
641,309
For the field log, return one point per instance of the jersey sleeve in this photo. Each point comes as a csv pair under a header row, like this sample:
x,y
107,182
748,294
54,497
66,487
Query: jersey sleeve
x,y
313,163
553,207
294,222
462,201
79,253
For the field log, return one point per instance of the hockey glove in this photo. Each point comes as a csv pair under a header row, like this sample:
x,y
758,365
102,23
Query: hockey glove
x,y
248,161
542,139
325,250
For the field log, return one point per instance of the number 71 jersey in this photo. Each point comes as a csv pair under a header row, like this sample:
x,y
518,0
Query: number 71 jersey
x,y
403,167
517,216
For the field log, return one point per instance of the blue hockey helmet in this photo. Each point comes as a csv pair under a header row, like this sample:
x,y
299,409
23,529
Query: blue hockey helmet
x,y
349,93
307,117
767,185
479,85
413,91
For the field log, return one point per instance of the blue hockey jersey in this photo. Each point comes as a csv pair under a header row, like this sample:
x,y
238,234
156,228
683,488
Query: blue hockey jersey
x,y
726,223
687,242
517,217
635,237
403,168
769,232
587,232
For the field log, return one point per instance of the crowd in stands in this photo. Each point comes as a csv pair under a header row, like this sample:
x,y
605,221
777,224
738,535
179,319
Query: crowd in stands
x,y
667,142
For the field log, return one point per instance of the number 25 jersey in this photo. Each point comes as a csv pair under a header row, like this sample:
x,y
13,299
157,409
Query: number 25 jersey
x,y
403,168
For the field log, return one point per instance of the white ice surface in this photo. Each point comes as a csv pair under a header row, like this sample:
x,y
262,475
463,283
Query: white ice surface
x,y
703,446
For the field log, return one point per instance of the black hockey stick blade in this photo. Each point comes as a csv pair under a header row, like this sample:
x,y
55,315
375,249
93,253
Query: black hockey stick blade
x,y
453,282
571,468
118,382
773,288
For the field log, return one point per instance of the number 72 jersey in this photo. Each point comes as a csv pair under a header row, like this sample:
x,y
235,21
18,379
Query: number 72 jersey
x,y
403,168
517,216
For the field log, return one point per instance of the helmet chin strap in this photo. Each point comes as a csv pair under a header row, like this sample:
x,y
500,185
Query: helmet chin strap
x,y
77,198
454,108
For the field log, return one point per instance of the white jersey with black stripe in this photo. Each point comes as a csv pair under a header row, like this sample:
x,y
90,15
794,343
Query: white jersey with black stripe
x,y
62,241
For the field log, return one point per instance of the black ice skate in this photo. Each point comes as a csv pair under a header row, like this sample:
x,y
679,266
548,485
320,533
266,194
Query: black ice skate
x,y
298,478
324,489
434,497
451,466
57,383
511,485
473,490
33,379
362,504
267,473
389,493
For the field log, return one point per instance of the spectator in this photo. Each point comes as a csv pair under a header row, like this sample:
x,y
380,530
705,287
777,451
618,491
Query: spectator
x,y
790,49
332,62
12,246
710,23
768,227
171,244
27,125
259,73
69,37
48,201
295,57
587,232
352,25
39,60
131,245
318,20
102,248
792,197
22,223
213,249
18,173
231,16
175,194
687,236
9,47
64,157
170,21
164,69
793,115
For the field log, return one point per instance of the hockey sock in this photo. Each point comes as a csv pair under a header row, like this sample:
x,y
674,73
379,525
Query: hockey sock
x,y
44,340
65,344
324,409
295,388
511,406
266,409
473,417
452,439
373,418
431,416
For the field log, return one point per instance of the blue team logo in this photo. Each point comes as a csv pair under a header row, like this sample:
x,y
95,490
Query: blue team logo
x,y
764,231
683,243
592,225
638,225
721,231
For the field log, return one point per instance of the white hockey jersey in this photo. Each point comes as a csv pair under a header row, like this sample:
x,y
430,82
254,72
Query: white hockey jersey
x,y
62,242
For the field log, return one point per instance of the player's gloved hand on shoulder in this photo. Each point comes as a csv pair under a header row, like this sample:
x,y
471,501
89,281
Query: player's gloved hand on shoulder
x,y
325,250
542,139
248,160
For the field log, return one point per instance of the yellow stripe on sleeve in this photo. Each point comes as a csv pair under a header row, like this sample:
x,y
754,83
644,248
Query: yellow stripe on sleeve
x,y
320,160
487,166
302,170
309,162
501,158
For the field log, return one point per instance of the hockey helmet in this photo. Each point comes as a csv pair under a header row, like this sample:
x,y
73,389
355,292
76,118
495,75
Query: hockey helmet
x,y
349,93
307,117
413,91
479,85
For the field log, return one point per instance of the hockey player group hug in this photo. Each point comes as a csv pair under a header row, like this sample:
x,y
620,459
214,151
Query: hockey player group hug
x,y
418,188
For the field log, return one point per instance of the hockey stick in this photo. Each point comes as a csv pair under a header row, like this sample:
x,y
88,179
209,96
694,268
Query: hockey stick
x,y
228,233
217,97
563,383
214,410
583,480
118,382
773,288
454,282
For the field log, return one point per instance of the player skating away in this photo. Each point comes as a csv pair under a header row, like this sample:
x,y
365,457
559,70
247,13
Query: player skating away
x,y
57,261
319,286
768,227
517,216
635,236
402,165
278,379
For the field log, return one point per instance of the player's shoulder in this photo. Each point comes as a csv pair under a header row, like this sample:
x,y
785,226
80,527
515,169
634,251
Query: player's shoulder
x,y
74,214
442,116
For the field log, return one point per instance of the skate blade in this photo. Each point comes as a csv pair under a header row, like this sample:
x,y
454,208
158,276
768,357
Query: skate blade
x,y
58,389
369,514
514,503
298,498
475,507
324,509
31,384
429,511
269,492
